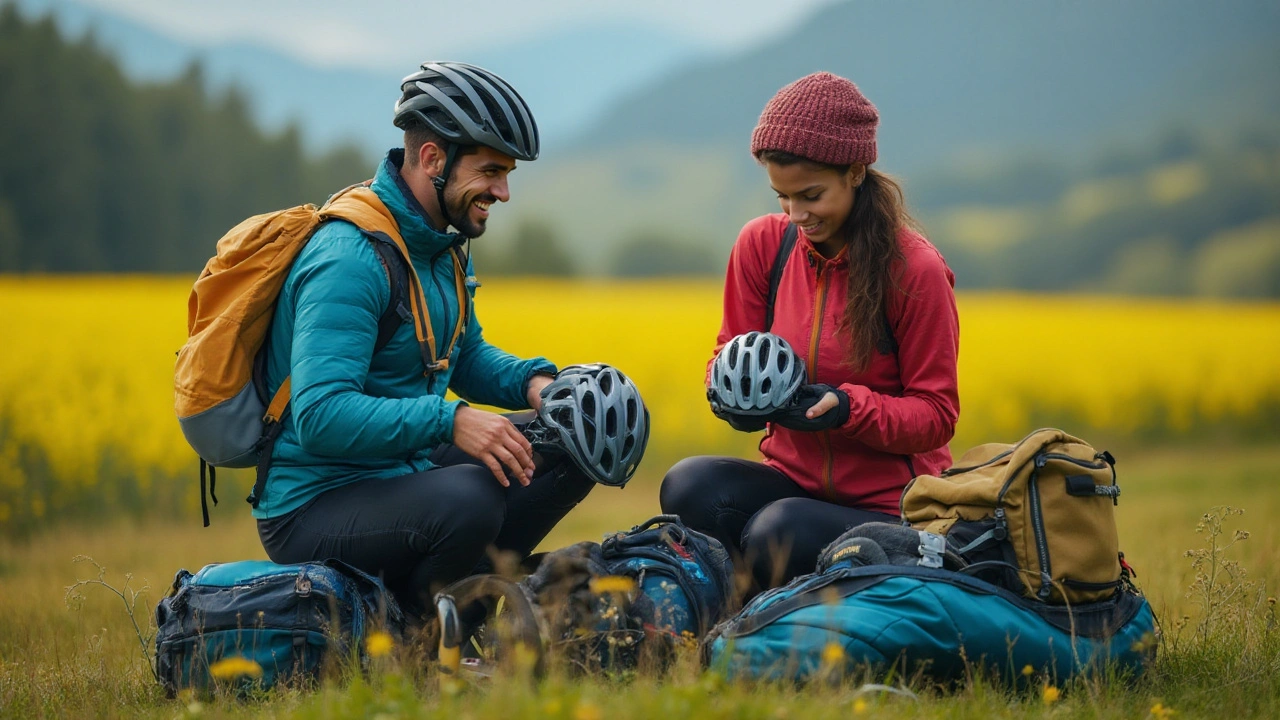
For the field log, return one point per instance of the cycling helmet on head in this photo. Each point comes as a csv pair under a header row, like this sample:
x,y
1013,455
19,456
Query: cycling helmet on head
x,y
755,374
593,414
467,105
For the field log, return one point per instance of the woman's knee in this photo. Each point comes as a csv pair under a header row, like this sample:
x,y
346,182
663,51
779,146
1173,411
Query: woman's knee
x,y
688,487
769,541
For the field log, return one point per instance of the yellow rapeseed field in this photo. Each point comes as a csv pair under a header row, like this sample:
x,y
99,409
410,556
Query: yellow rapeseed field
x,y
86,405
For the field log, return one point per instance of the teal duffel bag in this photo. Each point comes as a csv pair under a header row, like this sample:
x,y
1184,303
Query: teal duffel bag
x,y
929,620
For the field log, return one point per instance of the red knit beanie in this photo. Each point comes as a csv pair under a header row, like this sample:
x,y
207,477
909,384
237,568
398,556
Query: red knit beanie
x,y
821,117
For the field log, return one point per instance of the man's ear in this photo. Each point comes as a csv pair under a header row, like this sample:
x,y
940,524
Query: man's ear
x,y
431,158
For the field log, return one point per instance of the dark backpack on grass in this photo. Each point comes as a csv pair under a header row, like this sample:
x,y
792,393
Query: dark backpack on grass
x,y
641,592
256,623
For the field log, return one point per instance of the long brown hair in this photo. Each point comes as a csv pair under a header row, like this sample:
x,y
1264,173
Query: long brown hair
x,y
879,213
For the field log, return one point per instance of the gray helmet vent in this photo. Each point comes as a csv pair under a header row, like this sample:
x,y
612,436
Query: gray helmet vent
x,y
756,373
595,415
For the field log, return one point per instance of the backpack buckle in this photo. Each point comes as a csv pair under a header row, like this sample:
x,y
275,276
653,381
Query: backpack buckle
x,y
932,547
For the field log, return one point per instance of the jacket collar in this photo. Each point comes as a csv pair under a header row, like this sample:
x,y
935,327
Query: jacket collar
x,y
816,258
422,239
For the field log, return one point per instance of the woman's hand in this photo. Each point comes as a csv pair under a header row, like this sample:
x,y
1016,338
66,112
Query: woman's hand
x,y
816,407
825,403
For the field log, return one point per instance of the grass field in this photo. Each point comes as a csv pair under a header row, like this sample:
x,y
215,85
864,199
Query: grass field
x,y
56,661
1187,395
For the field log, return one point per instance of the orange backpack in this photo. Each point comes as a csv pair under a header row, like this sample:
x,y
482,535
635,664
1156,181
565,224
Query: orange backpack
x,y
219,380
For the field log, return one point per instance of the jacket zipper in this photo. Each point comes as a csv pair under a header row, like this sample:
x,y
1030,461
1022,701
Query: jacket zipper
x,y
824,438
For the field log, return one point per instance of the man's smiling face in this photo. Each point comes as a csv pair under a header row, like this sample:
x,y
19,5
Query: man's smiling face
x,y
479,179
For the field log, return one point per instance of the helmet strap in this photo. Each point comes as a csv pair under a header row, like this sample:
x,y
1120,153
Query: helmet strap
x,y
450,156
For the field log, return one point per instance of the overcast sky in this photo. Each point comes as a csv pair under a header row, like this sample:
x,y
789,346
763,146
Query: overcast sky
x,y
380,33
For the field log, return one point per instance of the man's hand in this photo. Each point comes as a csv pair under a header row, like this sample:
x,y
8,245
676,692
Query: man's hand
x,y
534,392
494,441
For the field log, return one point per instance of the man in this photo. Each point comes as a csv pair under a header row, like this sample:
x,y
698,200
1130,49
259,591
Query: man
x,y
373,465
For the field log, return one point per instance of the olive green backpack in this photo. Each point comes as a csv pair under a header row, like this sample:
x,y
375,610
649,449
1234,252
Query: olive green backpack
x,y
1039,514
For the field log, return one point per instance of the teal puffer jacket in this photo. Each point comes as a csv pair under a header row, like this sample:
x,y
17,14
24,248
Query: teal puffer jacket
x,y
356,414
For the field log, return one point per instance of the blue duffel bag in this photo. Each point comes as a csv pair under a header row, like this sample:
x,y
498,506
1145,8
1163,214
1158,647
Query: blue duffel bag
x,y
284,620
927,620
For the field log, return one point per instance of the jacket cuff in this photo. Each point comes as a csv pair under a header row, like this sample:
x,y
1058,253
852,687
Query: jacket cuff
x,y
859,402
448,408
537,366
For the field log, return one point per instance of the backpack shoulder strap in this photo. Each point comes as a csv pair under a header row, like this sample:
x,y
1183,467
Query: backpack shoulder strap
x,y
775,273
397,310
361,206
889,344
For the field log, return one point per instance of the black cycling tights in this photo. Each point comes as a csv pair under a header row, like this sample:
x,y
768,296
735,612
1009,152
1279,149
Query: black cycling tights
x,y
422,531
774,529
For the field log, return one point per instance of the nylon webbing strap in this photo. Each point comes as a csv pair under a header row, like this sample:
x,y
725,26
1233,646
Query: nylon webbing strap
x,y
432,358
978,541
278,401
775,273
212,492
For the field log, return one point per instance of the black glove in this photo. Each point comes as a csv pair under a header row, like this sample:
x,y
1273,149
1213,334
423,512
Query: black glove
x,y
741,423
792,417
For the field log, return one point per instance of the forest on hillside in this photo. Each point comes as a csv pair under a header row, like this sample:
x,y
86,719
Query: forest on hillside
x,y
99,173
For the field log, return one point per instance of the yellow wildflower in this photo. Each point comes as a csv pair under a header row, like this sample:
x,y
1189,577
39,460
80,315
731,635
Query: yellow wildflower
x,y
230,668
587,710
612,583
1160,712
832,654
379,644
450,686
859,706
1051,695
1028,671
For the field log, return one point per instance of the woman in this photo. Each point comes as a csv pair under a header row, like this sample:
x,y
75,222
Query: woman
x,y
868,305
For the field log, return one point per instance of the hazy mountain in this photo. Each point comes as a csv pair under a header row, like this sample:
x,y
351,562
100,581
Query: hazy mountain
x,y
568,77
985,75
967,91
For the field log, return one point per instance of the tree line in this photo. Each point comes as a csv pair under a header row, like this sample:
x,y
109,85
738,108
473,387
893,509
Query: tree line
x,y
101,174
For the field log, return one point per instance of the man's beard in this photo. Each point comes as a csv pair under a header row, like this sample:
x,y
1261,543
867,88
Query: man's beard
x,y
460,214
